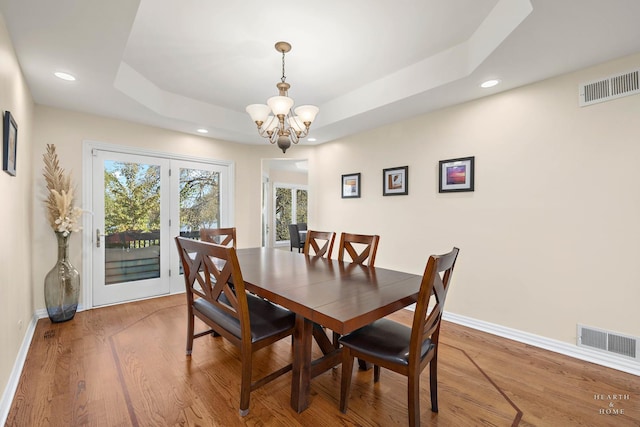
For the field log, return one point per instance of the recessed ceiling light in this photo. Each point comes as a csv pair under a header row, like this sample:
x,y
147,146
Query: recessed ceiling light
x,y
311,139
64,76
490,83
202,130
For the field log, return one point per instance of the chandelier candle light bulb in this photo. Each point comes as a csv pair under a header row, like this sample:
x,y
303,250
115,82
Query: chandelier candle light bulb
x,y
275,120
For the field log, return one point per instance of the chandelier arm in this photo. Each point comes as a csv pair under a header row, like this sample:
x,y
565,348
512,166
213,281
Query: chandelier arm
x,y
263,132
273,138
304,132
294,136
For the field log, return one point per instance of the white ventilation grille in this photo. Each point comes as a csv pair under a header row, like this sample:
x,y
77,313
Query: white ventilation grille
x,y
608,341
609,88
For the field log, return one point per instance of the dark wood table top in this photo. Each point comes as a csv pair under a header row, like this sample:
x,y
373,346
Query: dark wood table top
x,y
343,297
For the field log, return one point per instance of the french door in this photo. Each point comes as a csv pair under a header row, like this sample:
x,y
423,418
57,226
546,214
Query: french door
x,y
290,207
140,203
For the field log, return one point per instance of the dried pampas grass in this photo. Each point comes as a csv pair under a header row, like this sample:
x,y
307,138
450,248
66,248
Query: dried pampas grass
x,y
62,216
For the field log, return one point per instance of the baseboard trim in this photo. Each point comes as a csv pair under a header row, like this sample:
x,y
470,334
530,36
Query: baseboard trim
x,y
41,313
608,360
14,379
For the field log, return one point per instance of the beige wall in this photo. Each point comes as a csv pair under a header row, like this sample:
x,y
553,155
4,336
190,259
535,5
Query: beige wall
x,y
16,291
548,239
286,177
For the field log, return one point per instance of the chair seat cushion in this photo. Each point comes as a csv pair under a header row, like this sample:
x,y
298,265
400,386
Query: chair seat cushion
x,y
266,319
384,339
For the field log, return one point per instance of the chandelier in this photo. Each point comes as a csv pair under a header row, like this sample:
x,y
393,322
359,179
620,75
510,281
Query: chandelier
x,y
276,121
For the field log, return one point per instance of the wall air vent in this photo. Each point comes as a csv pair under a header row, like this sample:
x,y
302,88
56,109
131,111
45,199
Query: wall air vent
x,y
609,88
610,342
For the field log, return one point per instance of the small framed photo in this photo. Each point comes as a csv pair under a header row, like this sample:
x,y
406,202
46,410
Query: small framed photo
x,y
351,186
456,175
9,144
395,181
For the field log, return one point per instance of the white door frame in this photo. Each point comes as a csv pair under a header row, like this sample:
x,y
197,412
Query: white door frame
x,y
88,237
266,213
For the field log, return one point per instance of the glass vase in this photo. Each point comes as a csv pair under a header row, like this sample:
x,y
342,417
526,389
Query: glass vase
x,y
62,285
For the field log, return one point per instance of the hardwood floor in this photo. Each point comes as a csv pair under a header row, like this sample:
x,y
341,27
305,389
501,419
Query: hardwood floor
x,y
125,365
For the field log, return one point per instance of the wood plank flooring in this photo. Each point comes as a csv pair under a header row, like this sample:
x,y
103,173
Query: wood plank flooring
x,y
125,365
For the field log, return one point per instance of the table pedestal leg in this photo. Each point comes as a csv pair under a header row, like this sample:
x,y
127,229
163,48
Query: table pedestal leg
x,y
301,372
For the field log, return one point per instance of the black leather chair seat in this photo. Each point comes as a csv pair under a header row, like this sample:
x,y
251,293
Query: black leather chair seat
x,y
266,318
385,339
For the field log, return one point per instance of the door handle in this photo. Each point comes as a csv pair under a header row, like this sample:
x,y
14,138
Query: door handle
x,y
98,235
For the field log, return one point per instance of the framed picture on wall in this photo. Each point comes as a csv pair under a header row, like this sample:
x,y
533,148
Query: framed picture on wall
x,y
395,181
9,144
351,186
456,175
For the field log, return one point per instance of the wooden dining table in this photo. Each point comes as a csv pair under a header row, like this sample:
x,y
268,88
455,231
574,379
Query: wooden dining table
x,y
323,293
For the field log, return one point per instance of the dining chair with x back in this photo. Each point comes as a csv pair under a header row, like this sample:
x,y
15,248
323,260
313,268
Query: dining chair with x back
x,y
247,321
219,236
358,248
405,350
319,243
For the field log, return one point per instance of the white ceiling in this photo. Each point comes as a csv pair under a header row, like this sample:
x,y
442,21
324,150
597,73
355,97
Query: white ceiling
x,y
188,64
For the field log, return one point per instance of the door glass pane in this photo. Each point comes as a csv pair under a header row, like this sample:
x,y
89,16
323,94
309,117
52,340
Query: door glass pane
x,y
301,206
283,213
132,221
199,201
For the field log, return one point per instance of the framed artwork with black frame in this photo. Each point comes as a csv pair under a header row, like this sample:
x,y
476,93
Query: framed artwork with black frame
x,y
395,181
9,144
351,186
456,175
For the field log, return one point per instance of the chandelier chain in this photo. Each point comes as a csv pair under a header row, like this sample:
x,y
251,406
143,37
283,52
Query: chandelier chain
x,y
283,76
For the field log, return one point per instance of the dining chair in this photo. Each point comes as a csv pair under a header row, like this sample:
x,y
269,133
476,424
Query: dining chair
x,y
294,237
360,248
319,243
405,350
247,321
219,236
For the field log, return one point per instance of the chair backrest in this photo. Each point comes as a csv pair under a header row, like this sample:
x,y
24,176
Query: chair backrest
x,y
209,270
319,243
294,236
426,321
302,226
219,236
364,250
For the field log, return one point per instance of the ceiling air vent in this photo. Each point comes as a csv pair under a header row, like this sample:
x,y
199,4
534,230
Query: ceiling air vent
x,y
609,88
610,342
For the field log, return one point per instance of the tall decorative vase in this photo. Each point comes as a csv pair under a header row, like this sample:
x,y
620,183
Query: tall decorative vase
x,y
62,285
